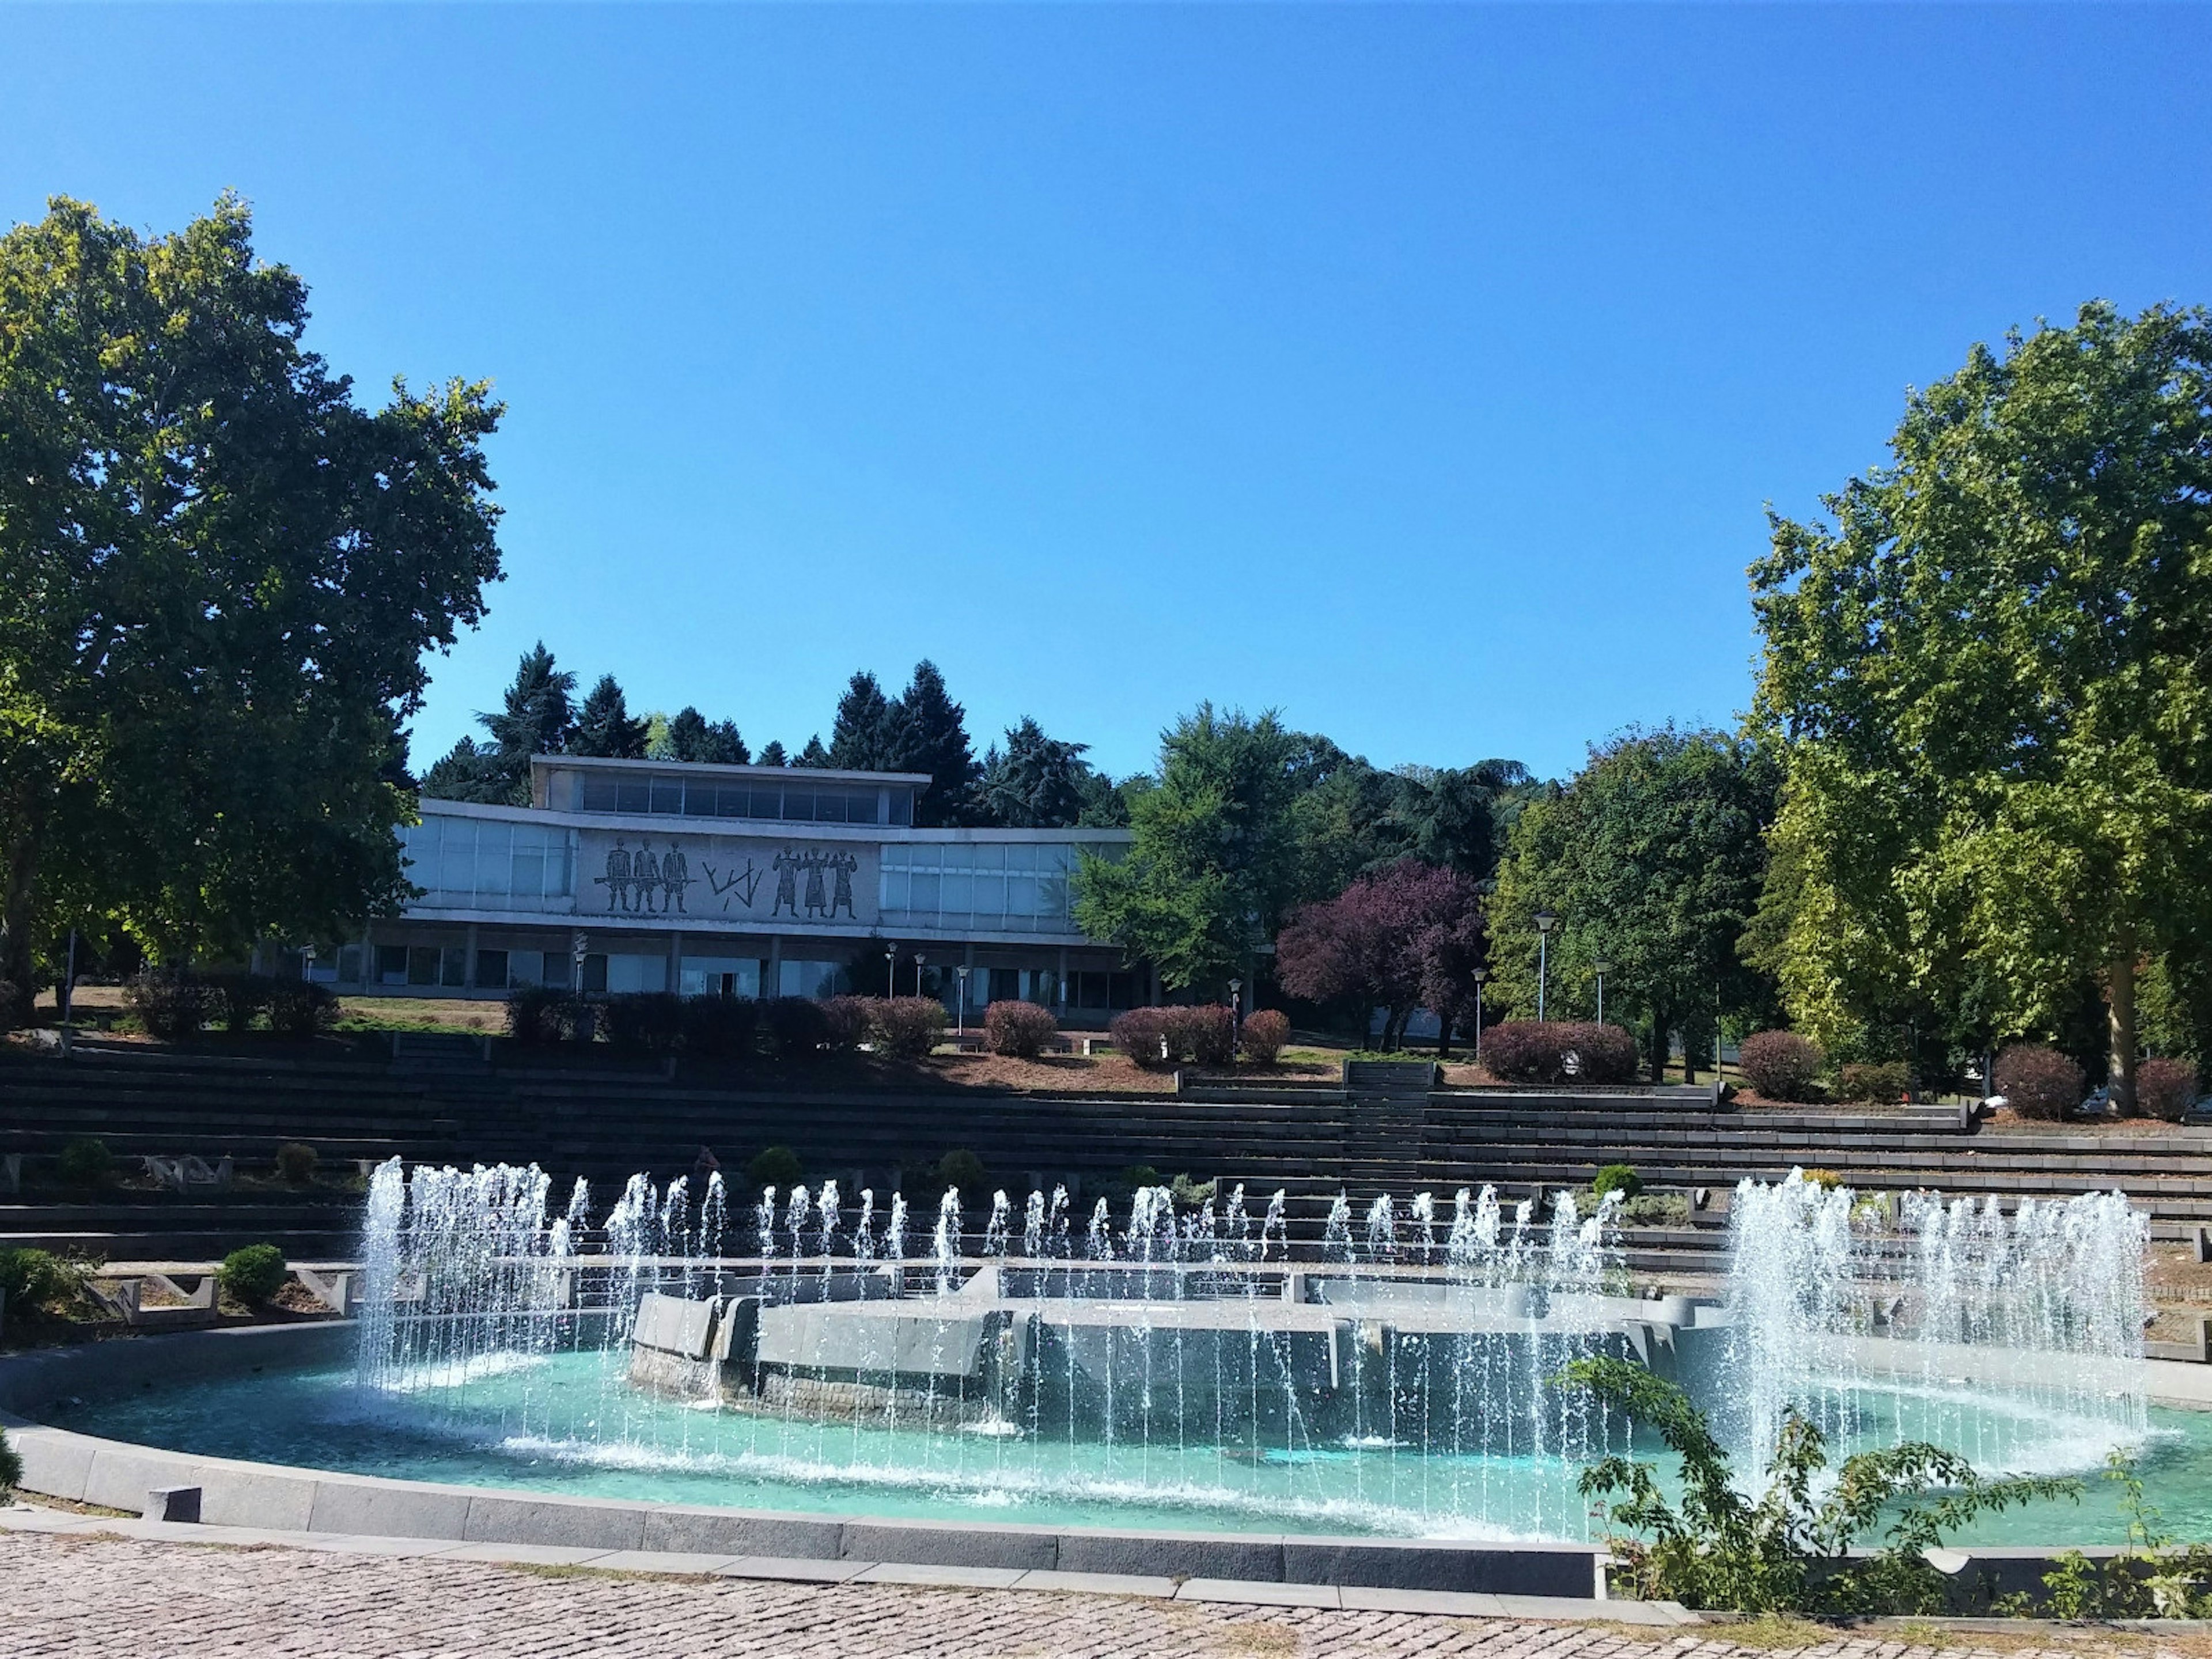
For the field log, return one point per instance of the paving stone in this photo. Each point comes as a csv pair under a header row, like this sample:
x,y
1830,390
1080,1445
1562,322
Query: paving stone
x,y
1258,1594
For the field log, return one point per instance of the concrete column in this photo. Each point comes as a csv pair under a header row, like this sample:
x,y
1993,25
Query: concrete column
x,y
773,988
469,973
675,961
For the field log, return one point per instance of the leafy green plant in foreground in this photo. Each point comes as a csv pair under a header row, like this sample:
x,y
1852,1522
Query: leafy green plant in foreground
x,y
1785,1551
2150,1579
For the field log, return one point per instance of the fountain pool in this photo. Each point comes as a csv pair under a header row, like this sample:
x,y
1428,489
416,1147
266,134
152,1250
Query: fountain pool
x,y
1187,1370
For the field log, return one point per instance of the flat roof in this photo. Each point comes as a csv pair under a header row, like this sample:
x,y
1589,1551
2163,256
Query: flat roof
x,y
712,769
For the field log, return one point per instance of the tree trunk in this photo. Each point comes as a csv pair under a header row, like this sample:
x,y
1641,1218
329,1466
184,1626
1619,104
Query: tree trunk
x,y
15,913
1658,1047
2122,1005
1443,1038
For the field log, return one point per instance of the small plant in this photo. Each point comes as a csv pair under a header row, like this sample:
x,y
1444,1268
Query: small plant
x,y
1020,1030
254,1274
849,1021
2165,1089
171,1003
1192,1195
300,1008
295,1162
11,1466
963,1170
85,1162
1559,1051
1138,1176
1265,1032
1618,1178
1781,1065
775,1166
2039,1083
797,1027
1826,1180
2150,1579
239,998
34,1279
1141,1034
1783,1552
1877,1082
908,1027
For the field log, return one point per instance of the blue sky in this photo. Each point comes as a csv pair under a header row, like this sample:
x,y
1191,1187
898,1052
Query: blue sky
x,y
1425,372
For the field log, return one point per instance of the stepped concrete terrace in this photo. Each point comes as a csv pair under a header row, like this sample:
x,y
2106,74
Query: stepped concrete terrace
x,y
464,1100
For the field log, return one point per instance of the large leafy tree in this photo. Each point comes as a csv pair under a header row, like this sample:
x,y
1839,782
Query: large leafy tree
x,y
605,726
218,578
1993,676
1212,863
1398,939
1652,858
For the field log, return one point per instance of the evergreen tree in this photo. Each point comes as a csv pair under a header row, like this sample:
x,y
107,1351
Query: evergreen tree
x,y
723,746
773,755
859,736
538,719
928,732
1036,782
470,771
814,754
687,736
604,727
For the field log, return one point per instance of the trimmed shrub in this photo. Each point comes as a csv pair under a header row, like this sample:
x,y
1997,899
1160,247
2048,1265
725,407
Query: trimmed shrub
x,y
720,1028
301,1008
295,1162
254,1273
2039,1082
1876,1082
644,1022
1191,1194
2165,1089
1020,1030
539,1016
1559,1051
850,1020
1206,1034
237,997
11,1466
1141,1034
33,1279
775,1166
170,1003
1618,1177
962,1169
1826,1180
797,1027
908,1027
85,1162
1265,1031
1781,1065
1137,1175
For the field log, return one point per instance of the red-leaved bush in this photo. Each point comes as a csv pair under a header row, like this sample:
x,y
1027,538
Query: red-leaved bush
x,y
1019,1029
1141,1034
907,1028
1559,1051
2038,1082
2165,1088
1206,1034
850,1019
1781,1065
1265,1031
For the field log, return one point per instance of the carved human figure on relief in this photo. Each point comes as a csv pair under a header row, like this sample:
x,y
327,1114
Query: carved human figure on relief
x,y
841,898
817,902
645,875
617,879
675,875
787,884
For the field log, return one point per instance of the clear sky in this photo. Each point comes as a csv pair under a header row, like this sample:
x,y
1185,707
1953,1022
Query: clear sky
x,y
1424,372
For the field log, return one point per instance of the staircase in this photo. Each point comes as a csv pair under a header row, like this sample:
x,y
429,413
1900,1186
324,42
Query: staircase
x,y
1386,1120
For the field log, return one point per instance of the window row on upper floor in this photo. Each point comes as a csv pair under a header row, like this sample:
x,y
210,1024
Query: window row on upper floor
x,y
795,802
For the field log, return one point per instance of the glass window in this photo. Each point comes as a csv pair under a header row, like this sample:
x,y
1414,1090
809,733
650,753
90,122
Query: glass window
x,y
453,965
602,795
494,851
958,893
902,806
595,972
392,964
632,795
798,806
423,964
1022,896
700,800
861,807
829,806
926,890
668,795
1006,984
555,968
491,971
350,965
529,873
897,889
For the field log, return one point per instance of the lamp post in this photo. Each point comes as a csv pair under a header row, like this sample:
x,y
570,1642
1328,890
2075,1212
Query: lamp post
x,y
579,942
918,960
961,973
1545,921
1481,975
1601,968
890,971
1235,1015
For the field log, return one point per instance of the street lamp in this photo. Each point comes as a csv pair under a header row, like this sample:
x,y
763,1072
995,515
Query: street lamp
x,y
961,973
1545,921
1481,975
890,971
1601,968
1235,989
918,960
579,942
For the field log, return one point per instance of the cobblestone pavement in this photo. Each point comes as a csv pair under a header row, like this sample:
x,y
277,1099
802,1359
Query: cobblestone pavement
x,y
90,1595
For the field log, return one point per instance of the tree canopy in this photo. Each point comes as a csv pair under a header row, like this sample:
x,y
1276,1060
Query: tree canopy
x,y
1037,782
1401,938
1652,858
1991,677
604,727
537,717
218,578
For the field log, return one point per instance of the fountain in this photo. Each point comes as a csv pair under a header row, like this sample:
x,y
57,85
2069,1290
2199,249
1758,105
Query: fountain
x,y
1396,1378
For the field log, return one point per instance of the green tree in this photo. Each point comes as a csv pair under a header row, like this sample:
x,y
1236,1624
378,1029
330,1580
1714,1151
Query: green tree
x,y
814,754
537,717
861,731
1652,858
927,731
772,754
1036,782
1991,674
692,737
1212,864
604,728
218,578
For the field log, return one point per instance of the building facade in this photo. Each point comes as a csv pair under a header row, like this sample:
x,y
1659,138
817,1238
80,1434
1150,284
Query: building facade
x,y
741,880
